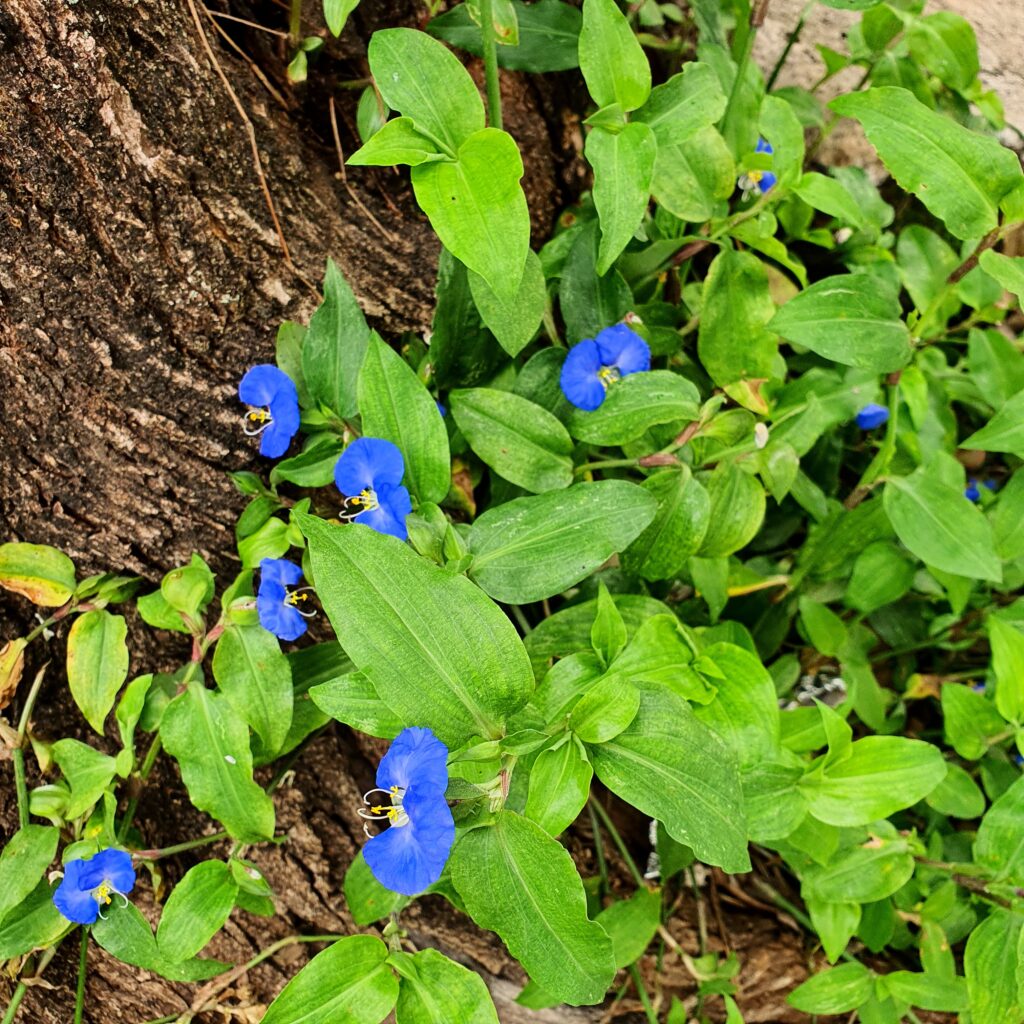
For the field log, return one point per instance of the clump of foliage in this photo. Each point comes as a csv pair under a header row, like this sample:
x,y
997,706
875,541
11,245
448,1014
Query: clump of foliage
x,y
715,500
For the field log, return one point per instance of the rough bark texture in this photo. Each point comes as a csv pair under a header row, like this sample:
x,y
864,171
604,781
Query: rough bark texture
x,y
140,275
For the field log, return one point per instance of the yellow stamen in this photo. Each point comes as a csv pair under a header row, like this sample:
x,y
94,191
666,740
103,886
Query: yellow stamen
x,y
102,892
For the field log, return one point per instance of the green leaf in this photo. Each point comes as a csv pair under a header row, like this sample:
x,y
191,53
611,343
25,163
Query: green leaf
x,y
631,924
549,34
879,776
313,467
945,44
635,404
589,302
608,634
745,708
559,786
674,768
88,773
968,720
188,589
97,663
422,79
462,351
1008,667
691,177
1000,842
397,142
623,164
737,509
126,935
394,405
348,983
335,344
865,874
43,574
1007,517
927,991
612,61
25,858
435,990
835,923
734,342
959,175
352,699
156,612
1004,432
33,923
990,963
519,440
211,744
253,674
825,629
519,882
196,910
336,13
605,710
839,990
957,795
368,901
939,525
513,321
684,105
851,319
533,548
678,527
400,618
830,196
477,206
1007,270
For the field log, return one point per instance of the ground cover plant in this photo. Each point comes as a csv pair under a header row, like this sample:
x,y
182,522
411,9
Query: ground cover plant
x,y
710,504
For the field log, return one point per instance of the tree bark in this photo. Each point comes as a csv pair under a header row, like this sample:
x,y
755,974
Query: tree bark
x,y
141,273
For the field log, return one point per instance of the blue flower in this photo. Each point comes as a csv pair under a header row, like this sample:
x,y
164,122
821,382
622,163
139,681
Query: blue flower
x,y
278,600
441,409
90,883
369,474
762,181
971,492
273,408
872,415
411,854
594,364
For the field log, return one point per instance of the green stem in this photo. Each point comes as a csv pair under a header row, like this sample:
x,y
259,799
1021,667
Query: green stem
x,y
490,63
12,1006
191,844
295,22
83,963
645,999
790,43
604,464
618,841
18,756
602,863
879,465
520,617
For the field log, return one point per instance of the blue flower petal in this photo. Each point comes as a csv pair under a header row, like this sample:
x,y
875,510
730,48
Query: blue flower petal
x,y
871,416
767,182
73,901
267,386
280,571
579,380
389,515
275,615
409,858
110,865
368,462
623,348
416,755
764,146
262,384
971,493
